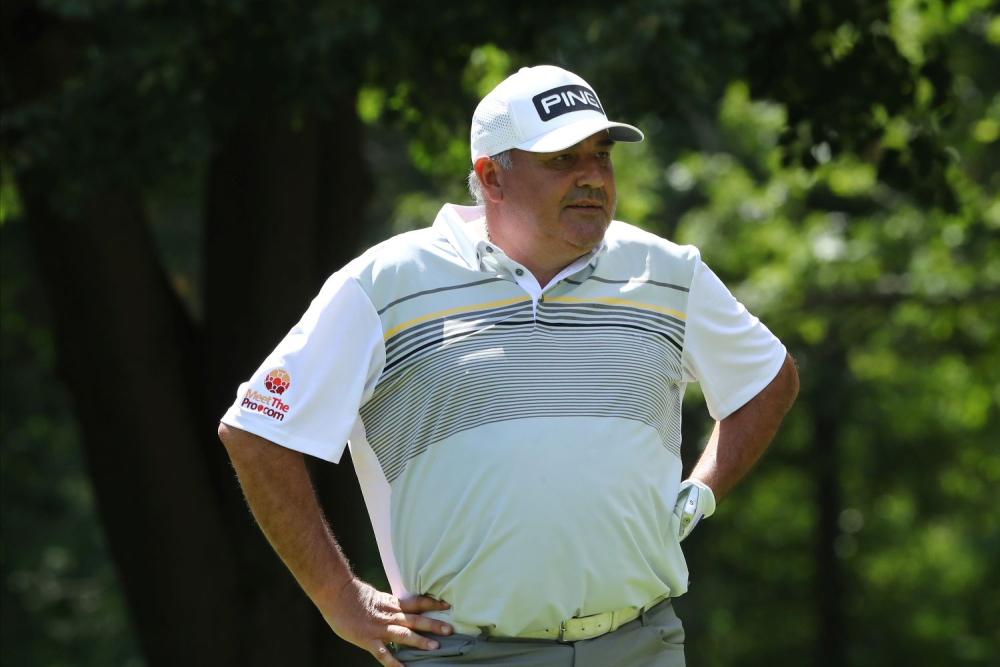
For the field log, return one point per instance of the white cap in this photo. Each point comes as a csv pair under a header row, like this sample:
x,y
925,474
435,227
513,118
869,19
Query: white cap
x,y
541,109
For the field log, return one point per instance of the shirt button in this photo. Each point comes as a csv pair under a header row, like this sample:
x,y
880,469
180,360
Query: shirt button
x,y
489,249
519,272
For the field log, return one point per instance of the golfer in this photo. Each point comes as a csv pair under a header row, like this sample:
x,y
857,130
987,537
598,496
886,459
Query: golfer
x,y
509,380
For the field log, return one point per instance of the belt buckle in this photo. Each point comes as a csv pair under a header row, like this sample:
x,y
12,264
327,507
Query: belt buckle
x,y
562,632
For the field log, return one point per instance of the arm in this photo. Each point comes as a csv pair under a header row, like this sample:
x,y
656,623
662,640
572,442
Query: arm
x,y
280,494
740,439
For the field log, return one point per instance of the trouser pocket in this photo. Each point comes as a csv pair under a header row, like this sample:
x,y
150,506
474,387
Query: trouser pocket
x,y
448,647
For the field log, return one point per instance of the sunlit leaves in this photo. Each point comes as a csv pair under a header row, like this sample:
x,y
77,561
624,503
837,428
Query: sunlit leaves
x,y
488,65
371,102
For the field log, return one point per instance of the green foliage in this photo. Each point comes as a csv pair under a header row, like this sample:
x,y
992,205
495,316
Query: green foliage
x,y
10,202
836,162
860,222
836,260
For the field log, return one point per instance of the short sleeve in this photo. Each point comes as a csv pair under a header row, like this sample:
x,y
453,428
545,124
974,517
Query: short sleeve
x,y
307,393
726,349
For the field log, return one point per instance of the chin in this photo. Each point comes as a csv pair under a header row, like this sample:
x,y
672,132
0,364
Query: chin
x,y
588,237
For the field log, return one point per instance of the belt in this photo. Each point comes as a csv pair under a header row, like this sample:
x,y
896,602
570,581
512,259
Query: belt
x,y
595,625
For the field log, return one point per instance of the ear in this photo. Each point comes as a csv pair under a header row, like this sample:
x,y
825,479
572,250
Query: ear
x,y
488,173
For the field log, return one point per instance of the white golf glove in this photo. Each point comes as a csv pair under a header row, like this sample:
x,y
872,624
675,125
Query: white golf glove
x,y
695,501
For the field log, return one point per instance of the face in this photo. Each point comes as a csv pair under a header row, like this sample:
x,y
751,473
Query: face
x,y
561,202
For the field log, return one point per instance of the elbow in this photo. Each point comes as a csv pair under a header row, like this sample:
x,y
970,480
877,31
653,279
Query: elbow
x,y
229,436
237,443
791,380
243,446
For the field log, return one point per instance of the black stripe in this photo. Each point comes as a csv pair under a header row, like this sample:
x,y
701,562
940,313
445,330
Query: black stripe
x,y
675,338
459,372
477,319
441,330
580,316
583,308
393,458
469,317
576,359
397,354
431,342
397,423
616,325
394,464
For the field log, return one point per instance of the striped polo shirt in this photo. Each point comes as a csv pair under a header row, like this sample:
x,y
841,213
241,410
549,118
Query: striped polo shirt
x,y
518,447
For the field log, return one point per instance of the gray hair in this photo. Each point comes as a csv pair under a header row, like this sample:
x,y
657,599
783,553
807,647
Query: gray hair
x,y
504,160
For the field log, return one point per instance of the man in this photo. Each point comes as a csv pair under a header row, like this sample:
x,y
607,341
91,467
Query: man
x,y
510,380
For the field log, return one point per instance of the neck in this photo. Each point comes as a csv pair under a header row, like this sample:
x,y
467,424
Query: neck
x,y
543,262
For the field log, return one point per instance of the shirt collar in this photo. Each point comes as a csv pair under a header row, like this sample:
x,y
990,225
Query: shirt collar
x,y
453,220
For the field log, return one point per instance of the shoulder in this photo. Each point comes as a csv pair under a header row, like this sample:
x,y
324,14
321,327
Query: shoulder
x,y
413,258
626,238
628,245
410,251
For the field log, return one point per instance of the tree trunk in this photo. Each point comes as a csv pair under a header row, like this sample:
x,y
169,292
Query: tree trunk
x,y
131,361
283,211
831,638
129,358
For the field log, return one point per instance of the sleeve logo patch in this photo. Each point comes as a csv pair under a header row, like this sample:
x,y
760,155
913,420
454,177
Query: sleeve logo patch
x,y
278,381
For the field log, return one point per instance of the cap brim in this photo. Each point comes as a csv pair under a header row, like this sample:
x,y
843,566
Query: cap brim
x,y
573,133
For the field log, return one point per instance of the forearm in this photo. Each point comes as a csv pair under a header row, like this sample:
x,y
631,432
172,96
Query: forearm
x,y
279,492
739,440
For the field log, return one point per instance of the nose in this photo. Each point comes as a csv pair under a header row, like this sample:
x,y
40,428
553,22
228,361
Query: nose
x,y
593,173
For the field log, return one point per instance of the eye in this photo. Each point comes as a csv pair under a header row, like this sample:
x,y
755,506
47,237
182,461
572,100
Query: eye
x,y
604,155
562,161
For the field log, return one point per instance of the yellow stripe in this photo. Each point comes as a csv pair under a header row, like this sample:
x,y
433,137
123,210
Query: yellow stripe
x,y
443,313
621,302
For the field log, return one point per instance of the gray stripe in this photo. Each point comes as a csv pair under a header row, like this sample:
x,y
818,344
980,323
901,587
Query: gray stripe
x,y
393,470
515,340
480,318
585,307
677,332
431,340
436,290
534,372
511,379
632,281
467,323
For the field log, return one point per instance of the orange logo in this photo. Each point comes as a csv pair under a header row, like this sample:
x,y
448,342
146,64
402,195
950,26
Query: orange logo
x,y
277,381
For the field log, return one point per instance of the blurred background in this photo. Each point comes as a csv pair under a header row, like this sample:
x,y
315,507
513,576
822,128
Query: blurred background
x,y
178,179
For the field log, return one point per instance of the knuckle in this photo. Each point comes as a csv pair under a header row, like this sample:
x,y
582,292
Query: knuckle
x,y
383,655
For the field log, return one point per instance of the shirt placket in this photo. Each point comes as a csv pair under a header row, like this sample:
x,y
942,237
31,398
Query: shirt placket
x,y
494,260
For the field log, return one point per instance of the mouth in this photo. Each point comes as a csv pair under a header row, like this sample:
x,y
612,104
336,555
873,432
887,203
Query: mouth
x,y
586,205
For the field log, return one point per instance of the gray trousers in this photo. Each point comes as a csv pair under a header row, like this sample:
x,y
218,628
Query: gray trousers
x,y
655,639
